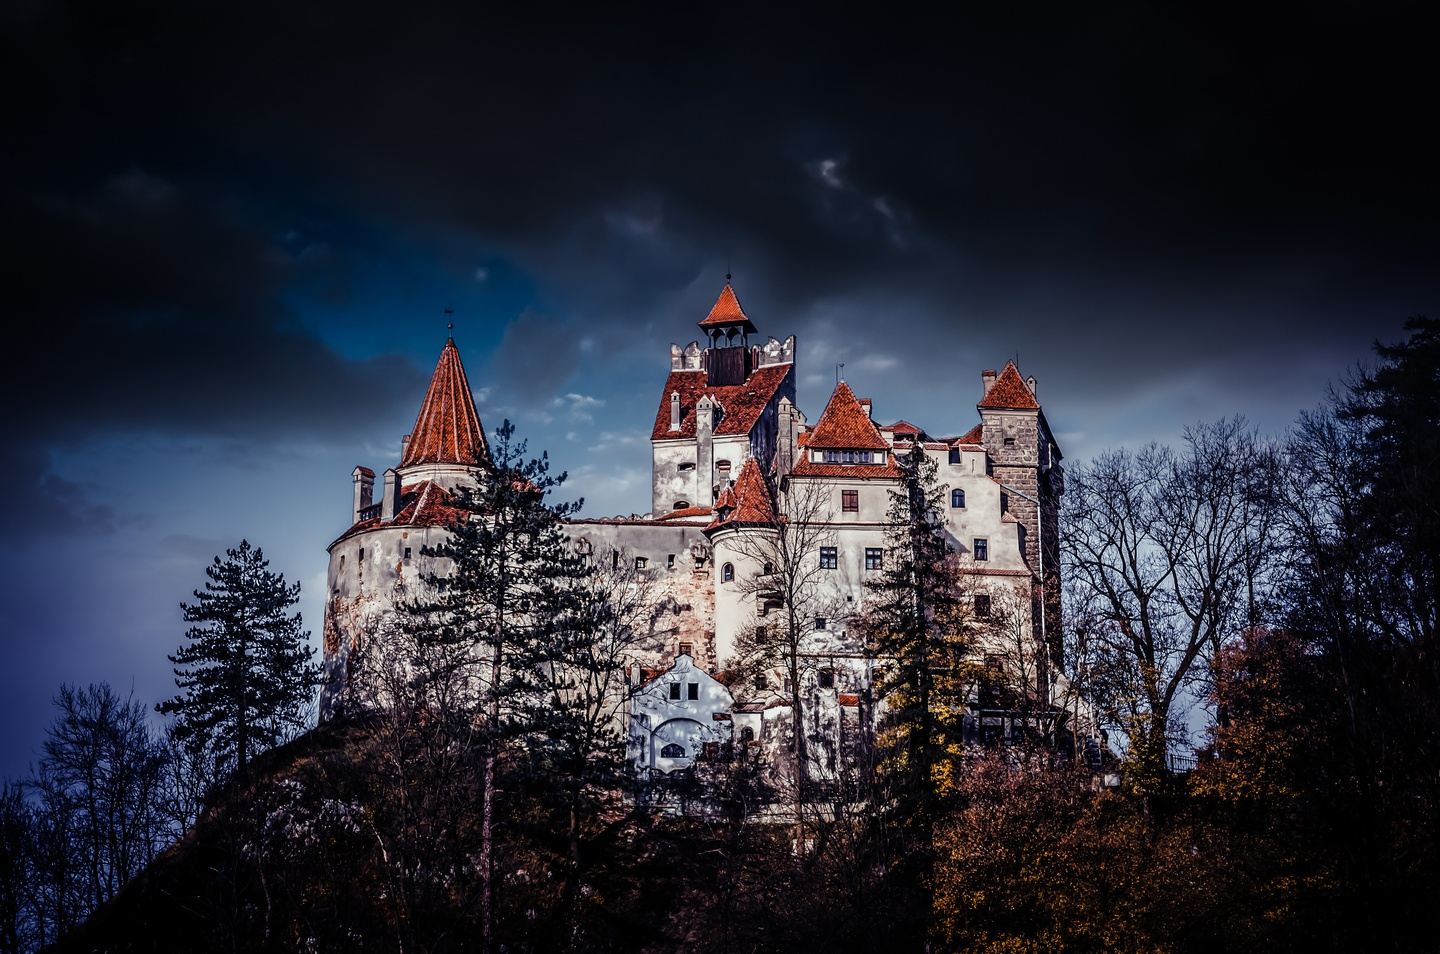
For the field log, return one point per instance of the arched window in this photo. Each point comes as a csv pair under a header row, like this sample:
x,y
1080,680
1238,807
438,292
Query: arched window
x,y
672,751
727,573
957,498
747,734
682,504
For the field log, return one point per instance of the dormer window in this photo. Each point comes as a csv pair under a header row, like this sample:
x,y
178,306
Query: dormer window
x,y
847,457
682,505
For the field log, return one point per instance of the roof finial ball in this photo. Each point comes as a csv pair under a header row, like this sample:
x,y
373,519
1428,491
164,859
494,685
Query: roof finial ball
x,y
449,324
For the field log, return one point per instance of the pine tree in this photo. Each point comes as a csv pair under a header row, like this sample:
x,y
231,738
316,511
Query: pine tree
x,y
496,595
918,633
247,675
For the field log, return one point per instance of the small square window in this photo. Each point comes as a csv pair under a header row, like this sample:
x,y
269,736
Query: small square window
x,y
641,563
675,691
1009,442
407,554
874,558
850,501
982,605
829,558
957,499
687,649
827,679
760,681
982,548
692,691
822,623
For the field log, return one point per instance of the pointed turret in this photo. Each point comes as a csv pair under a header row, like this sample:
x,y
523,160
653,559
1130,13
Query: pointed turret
x,y
727,312
748,502
448,429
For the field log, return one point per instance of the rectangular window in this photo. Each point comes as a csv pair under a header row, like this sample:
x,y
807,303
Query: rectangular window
x,y
822,623
982,605
874,558
850,501
760,682
982,548
829,558
687,649
407,554
957,498
692,691
761,635
675,691
641,563
670,562
827,679
362,554
1009,442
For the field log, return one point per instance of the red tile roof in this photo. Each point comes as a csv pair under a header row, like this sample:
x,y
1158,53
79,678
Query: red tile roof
x,y
848,699
727,311
425,504
748,502
1010,392
975,435
903,426
742,404
686,512
844,424
886,471
448,430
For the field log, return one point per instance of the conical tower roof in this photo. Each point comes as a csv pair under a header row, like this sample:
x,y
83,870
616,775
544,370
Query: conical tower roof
x,y
448,429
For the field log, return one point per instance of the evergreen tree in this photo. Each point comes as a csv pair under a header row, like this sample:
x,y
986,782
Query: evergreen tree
x,y
247,676
918,634
496,593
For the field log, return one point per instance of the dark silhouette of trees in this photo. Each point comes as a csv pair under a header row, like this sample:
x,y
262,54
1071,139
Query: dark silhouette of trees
x,y
246,677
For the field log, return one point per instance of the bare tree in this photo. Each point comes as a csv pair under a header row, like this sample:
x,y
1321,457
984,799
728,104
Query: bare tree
x,y
790,592
1170,545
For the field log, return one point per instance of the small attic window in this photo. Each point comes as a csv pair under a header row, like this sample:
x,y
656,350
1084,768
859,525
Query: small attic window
x,y
723,466
682,505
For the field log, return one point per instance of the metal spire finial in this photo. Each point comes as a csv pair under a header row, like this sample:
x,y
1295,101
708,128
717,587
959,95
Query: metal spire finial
x,y
450,324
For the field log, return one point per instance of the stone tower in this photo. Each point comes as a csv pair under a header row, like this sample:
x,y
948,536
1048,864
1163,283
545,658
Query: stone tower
x,y
1025,460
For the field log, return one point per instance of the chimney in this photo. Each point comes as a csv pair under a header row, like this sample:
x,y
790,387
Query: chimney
x,y
364,479
1030,383
677,357
988,376
404,446
785,440
390,503
865,405
674,410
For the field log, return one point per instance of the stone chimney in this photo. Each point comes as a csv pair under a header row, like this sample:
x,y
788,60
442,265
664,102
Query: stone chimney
x,y
404,445
674,410
364,479
390,503
704,452
1030,383
988,376
785,439
867,406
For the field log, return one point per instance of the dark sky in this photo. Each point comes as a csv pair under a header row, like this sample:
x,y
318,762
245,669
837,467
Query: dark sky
x,y
231,230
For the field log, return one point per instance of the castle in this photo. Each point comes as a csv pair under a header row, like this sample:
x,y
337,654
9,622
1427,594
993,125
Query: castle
x,y
733,458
